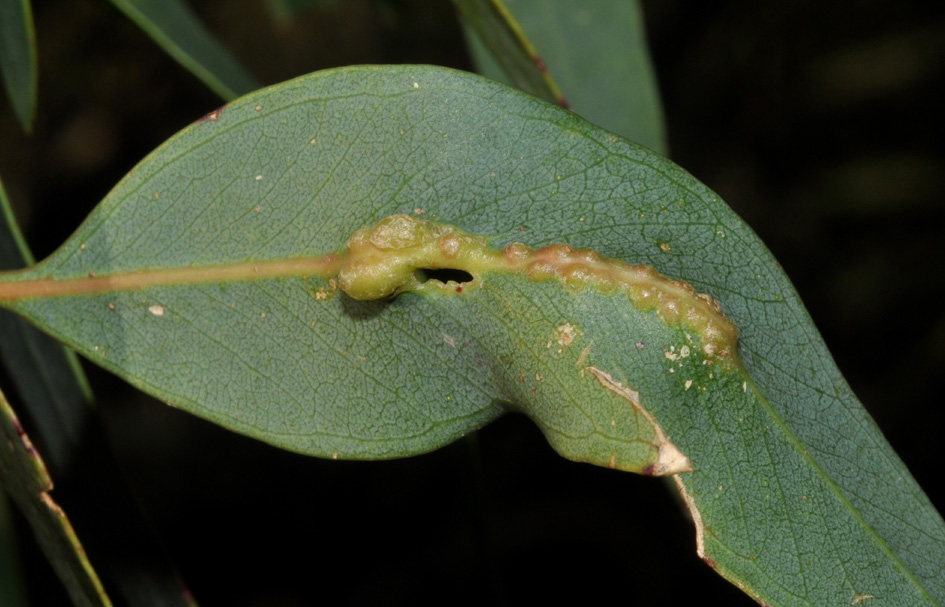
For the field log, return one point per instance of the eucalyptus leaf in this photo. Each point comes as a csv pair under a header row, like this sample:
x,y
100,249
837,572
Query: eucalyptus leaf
x,y
330,265
176,29
18,64
23,474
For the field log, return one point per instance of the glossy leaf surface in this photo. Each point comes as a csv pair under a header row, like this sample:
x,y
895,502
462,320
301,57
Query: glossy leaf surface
x,y
204,279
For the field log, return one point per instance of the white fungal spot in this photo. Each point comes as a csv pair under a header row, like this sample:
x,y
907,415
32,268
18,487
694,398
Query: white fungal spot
x,y
258,177
156,309
684,352
688,384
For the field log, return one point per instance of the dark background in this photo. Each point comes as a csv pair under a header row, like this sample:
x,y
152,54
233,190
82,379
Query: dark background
x,y
819,123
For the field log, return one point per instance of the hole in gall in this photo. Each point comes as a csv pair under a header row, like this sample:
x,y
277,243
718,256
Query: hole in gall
x,y
443,275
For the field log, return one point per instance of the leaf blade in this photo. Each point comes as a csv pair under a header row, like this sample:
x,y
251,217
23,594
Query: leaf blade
x,y
24,476
357,144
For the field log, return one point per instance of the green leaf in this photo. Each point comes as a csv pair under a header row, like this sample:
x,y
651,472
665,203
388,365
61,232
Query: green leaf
x,y
287,10
216,276
179,32
596,52
18,58
489,25
23,474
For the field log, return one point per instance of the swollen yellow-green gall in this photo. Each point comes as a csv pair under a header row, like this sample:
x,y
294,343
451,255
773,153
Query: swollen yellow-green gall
x,y
382,261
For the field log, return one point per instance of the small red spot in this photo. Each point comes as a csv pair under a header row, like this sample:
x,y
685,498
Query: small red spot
x,y
648,471
710,562
541,64
18,427
639,345
91,274
459,289
521,228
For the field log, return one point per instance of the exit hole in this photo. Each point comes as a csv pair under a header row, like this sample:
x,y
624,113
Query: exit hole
x,y
443,275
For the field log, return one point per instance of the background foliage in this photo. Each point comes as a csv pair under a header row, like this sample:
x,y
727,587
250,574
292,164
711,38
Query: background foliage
x,y
815,123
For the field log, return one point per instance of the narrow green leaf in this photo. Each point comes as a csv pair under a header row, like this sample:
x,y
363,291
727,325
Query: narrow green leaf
x,y
179,32
18,65
244,270
596,52
286,10
491,26
23,474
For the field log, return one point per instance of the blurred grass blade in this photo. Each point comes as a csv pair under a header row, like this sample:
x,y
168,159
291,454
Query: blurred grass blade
x,y
56,398
496,29
23,474
176,29
12,591
283,11
596,52
18,65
